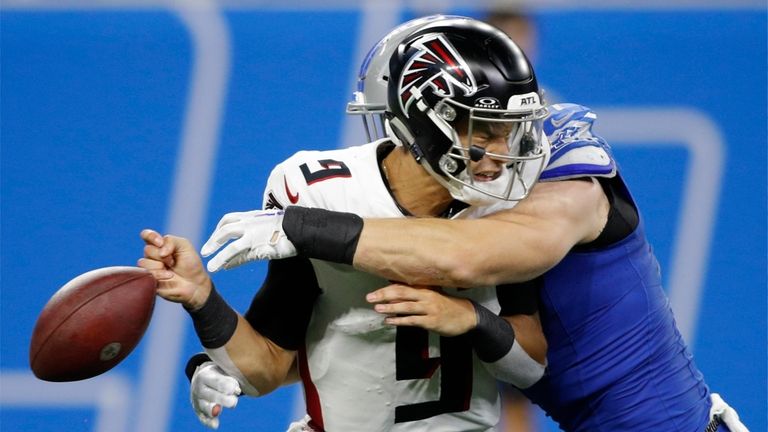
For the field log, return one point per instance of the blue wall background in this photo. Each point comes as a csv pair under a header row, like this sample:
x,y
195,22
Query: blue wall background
x,y
93,105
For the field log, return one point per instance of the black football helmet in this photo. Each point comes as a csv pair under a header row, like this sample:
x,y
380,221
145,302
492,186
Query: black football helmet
x,y
465,75
370,100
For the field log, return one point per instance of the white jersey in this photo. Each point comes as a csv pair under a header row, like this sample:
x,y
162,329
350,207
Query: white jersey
x,y
358,373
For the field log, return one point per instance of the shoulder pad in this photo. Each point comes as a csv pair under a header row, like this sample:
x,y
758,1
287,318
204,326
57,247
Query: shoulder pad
x,y
575,150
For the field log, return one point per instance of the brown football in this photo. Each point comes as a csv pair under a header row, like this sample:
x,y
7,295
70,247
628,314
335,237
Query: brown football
x,y
92,323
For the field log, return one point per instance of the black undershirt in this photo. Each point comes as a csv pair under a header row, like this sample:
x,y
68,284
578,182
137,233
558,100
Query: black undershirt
x,y
622,219
282,307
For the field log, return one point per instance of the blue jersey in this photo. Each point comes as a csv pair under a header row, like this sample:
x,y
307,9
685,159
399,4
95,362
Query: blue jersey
x,y
616,361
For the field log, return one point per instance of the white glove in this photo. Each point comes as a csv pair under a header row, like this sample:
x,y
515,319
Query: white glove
x,y
301,425
211,386
258,235
728,415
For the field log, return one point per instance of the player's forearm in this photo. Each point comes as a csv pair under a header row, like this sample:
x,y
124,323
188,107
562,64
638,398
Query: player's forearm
x,y
458,253
500,350
530,335
503,248
263,363
259,365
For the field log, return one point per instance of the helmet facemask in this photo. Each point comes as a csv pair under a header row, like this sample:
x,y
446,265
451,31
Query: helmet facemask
x,y
372,115
495,154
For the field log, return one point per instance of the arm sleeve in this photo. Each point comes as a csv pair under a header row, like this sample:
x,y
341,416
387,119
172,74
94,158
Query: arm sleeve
x,y
282,308
623,216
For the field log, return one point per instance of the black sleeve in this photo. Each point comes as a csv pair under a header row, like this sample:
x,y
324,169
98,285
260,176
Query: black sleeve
x,y
283,306
623,216
519,298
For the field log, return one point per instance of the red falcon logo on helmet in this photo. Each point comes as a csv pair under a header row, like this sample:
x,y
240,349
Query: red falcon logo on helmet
x,y
438,65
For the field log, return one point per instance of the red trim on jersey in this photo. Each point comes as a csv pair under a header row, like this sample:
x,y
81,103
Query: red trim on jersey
x,y
432,362
314,410
328,178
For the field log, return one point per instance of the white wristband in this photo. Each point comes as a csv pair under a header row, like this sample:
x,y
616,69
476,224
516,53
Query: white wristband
x,y
221,358
516,368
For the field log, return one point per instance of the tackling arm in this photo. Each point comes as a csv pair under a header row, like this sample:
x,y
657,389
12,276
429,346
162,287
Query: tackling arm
x,y
510,246
511,347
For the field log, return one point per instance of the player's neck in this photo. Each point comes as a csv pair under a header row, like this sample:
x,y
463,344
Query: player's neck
x,y
413,188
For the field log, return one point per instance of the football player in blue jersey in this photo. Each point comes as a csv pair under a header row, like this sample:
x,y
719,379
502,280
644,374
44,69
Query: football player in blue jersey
x,y
616,360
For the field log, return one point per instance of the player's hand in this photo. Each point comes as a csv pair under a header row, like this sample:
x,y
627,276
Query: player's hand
x,y
179,271
427,308
257,235
210,390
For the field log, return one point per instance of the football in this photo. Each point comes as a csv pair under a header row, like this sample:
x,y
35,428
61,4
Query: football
x,y
92,323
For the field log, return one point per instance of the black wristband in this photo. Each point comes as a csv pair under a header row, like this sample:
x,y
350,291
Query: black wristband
x,y
323,234
215,322
193,362
493,337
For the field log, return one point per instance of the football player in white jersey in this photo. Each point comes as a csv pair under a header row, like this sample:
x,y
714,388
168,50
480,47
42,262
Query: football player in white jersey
x,y
364,367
